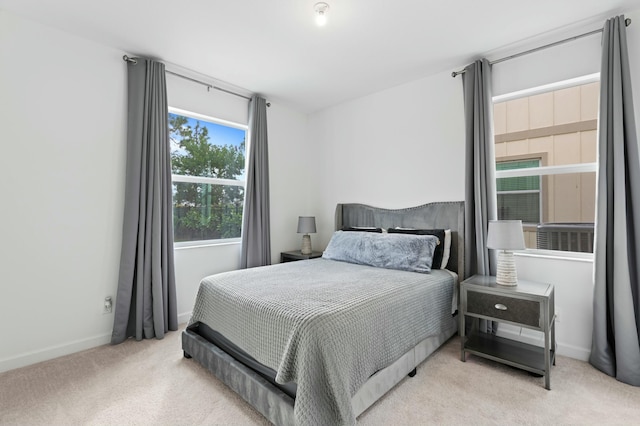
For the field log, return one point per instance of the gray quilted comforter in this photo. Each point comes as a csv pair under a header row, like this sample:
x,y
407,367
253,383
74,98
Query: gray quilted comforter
x,y
326,325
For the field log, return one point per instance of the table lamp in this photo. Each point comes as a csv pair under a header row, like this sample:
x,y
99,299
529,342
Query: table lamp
x,y
506,235
306,226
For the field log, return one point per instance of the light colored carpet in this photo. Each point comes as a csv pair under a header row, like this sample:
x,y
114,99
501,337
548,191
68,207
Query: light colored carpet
x,y
150,383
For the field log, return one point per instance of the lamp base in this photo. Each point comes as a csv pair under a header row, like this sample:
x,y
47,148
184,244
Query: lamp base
x,y
506,275
306,244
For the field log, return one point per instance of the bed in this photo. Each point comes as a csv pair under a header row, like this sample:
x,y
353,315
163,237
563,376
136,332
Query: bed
x,y
333,351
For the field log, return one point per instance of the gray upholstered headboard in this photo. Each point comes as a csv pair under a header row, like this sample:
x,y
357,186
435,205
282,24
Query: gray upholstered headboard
x,y
444,215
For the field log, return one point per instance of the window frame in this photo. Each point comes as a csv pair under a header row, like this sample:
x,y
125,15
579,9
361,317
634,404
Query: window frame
x,y
549,170
209,180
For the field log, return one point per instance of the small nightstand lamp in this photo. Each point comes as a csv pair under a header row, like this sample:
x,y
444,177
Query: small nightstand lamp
x,y
506,235
306,226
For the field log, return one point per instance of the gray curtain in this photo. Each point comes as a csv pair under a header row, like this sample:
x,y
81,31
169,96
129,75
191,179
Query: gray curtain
x,y
146,298
480,178
615,347
256,234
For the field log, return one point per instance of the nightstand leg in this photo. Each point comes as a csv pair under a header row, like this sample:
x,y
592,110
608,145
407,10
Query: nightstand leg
x,y
553,340
547,358
462,337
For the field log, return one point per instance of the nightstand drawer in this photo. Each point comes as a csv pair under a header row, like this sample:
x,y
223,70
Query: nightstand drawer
x,y
504,308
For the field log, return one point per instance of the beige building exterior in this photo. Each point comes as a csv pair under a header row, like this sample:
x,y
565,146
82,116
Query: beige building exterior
x,y
557,128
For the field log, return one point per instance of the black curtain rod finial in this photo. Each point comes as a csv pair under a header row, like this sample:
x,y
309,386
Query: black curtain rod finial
x,y
126,58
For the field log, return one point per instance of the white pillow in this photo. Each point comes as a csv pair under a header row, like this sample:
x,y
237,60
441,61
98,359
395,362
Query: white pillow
x,y
447,249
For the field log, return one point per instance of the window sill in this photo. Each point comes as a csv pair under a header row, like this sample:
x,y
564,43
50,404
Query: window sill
x,y
557,255
209,243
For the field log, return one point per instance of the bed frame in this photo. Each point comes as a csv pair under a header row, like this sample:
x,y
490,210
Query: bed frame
x,y
277,406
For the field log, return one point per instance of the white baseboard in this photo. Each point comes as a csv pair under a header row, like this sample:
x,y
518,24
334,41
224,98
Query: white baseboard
x,y
53,352
536,338
184,318
575,352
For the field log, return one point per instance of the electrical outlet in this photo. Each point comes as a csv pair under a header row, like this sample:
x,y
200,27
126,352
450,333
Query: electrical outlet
x,y
108,305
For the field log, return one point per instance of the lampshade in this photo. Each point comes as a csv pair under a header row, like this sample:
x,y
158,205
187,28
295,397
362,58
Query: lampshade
x,y
505,235
306,225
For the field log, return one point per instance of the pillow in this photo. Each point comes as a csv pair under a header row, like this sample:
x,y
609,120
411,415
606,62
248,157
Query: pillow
x,y
447,248
362,229
443,249
439,250
412,253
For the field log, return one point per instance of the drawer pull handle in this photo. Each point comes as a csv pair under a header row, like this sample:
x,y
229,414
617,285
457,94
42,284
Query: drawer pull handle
x,y
500,307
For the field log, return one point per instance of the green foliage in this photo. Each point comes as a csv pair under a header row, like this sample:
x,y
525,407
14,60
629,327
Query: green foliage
x,y
203,211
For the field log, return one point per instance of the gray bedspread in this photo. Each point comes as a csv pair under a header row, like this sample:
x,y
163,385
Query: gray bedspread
x,y
326,325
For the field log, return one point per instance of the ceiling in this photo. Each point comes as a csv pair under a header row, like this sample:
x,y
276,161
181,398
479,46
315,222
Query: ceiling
x,y
274,48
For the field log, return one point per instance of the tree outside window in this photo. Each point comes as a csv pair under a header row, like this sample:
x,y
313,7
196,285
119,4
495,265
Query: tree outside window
x,y
208,164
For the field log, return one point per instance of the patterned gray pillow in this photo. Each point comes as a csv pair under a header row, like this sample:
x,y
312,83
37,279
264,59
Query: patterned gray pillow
x,y
405,252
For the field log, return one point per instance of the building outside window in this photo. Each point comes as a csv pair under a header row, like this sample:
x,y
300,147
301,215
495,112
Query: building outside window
x,y
545,147
208,174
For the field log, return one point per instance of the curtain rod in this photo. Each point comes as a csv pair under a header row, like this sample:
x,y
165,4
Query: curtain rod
x,y
627,22
209,86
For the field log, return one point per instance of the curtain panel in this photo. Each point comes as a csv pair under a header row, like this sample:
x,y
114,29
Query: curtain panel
x,y
615,346
256,233
146,297
480,179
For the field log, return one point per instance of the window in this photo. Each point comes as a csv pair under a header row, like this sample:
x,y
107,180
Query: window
x,y
519,197
545,147
208,167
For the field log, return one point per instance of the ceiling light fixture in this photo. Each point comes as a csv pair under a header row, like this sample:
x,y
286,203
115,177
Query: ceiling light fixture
x,y
321,9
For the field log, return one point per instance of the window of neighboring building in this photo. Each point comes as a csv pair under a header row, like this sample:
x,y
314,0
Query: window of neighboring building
x,y
545,147
208,167
519,197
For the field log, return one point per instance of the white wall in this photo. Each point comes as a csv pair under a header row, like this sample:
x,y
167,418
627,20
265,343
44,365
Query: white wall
x,y
62,115
289,177
405,146
573,286
396,148
62,163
